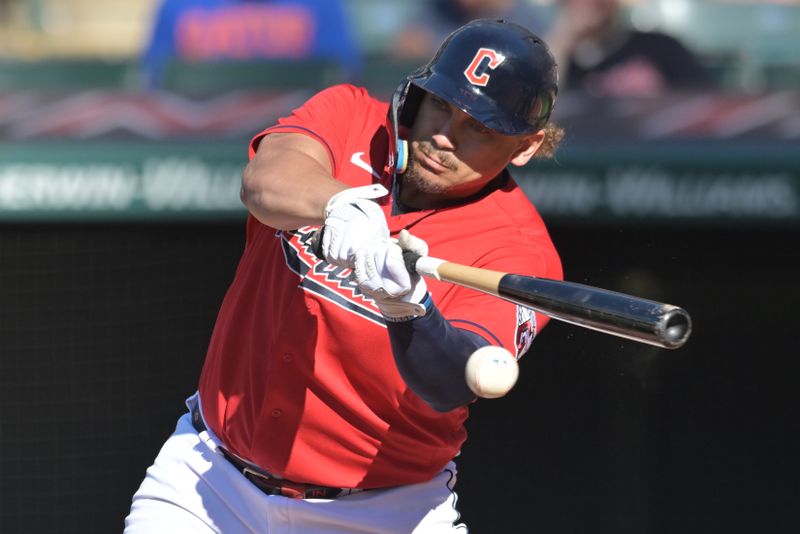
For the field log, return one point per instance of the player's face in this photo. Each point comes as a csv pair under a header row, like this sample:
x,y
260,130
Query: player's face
x,y
452,155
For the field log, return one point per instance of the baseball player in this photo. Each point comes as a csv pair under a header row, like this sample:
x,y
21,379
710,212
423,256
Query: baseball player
x,y
333,395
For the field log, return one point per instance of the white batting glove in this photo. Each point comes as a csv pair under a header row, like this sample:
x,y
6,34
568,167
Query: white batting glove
x,y
352,221
380,272
412,243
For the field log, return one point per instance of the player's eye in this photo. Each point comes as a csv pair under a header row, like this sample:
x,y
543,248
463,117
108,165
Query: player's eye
x,y
438,103
479,127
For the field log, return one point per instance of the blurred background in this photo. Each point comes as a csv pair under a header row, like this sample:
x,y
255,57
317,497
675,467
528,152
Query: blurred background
x,y
123,132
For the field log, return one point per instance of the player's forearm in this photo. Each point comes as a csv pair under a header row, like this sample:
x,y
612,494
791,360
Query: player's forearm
x,y
431,356
286,188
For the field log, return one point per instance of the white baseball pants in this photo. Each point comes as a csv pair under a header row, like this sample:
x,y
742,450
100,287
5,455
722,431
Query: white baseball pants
x,y
192,488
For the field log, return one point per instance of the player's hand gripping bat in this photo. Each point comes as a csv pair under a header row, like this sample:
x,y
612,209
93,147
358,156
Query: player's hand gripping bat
x,y
610,312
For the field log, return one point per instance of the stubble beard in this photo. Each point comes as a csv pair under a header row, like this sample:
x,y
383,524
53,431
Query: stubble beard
x,y
414,176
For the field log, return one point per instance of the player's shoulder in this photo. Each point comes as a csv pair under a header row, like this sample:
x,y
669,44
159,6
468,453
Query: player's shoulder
x,y
513,236
347,101
348,91
510,203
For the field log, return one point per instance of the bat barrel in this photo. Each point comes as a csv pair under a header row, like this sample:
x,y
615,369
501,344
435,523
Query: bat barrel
x,y
646,321
674,328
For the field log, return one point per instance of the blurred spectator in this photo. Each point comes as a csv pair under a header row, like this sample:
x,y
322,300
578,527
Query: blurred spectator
x,y
211,30
601,55
439,18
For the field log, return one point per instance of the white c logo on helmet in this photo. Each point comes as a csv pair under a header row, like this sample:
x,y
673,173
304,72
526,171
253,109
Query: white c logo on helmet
x,y
494,61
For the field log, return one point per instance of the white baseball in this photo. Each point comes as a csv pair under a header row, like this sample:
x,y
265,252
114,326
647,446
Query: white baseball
x,y
491,372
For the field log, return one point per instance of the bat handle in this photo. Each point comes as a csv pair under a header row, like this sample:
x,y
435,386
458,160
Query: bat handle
x,y
316,243
410,259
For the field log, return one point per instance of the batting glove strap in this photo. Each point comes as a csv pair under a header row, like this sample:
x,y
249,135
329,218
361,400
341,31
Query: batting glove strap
x,y
404,308
415,303
350,196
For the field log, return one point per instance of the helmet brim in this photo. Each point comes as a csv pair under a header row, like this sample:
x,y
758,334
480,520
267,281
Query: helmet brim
x,y
474,104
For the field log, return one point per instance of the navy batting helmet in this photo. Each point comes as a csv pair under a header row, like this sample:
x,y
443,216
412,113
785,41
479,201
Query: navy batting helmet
x,y
498,72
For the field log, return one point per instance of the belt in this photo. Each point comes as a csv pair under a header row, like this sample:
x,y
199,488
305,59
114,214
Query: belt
x,y
270,484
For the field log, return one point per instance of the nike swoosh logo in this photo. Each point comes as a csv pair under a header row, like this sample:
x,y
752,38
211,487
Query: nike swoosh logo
x,y
355,159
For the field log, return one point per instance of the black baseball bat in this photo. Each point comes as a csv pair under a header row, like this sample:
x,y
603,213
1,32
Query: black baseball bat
x,y
619,314
610,312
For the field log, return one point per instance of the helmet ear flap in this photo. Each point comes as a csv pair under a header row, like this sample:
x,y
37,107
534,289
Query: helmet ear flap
x,y
402,112
410,106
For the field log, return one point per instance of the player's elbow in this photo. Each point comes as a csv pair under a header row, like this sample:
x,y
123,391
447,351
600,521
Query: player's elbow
x,y
249,192
443,389
447,404
248,197
256,198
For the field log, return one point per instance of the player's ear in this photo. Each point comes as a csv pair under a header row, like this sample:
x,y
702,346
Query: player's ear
x,y
528,146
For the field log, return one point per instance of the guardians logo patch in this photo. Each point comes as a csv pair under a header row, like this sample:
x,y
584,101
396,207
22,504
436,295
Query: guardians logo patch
x,y
526,330
330,282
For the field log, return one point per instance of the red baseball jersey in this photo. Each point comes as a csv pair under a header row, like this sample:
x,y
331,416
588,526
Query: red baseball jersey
x,y
300,377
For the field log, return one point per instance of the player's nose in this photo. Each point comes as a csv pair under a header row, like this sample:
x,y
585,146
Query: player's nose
x,y
443,141
450,131
446,136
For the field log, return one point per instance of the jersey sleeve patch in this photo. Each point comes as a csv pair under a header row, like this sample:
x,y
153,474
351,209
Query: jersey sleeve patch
x,y
526,330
